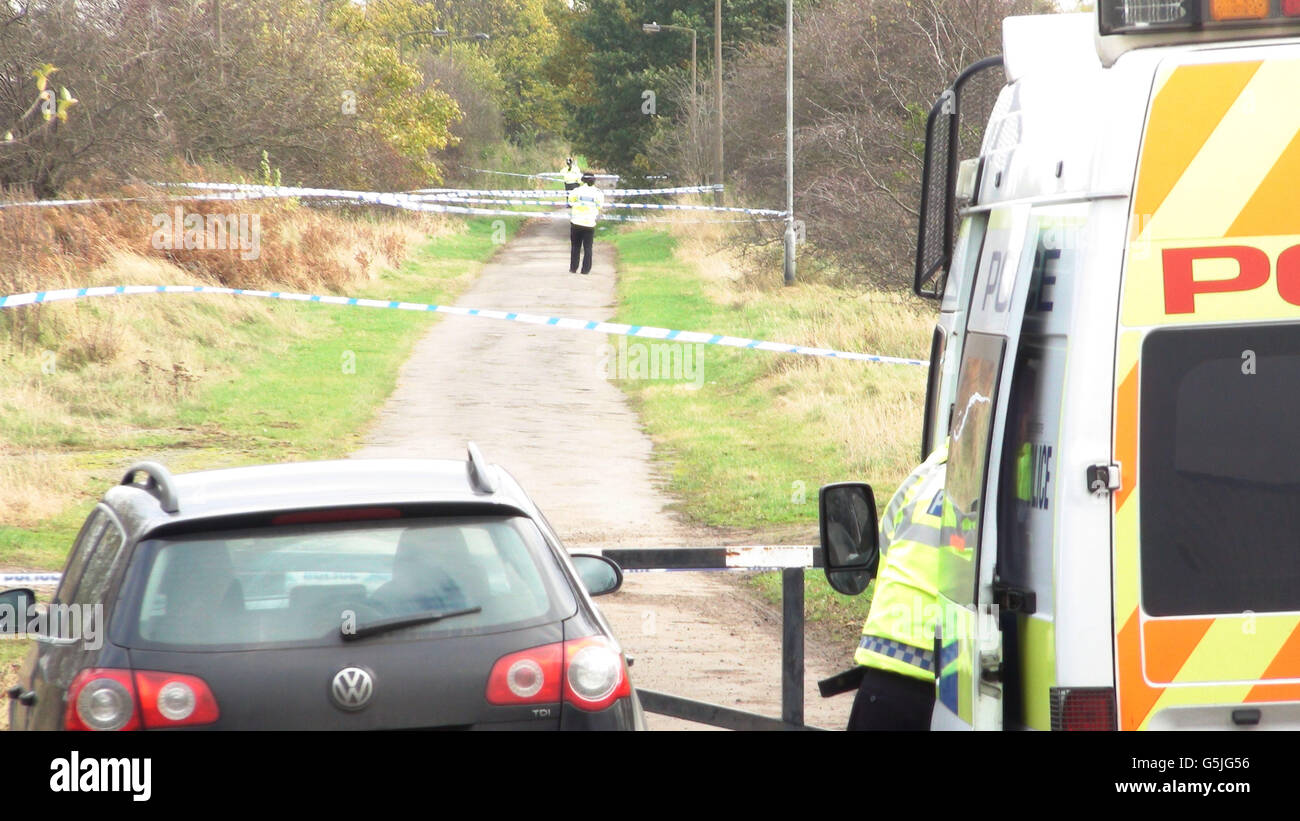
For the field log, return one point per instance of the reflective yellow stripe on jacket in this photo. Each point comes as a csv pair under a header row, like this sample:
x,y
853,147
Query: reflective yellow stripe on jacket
x,y
898,635
585,202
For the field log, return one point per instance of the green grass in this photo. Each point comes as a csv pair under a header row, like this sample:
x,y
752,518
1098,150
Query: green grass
x,y
311,399
290,396
840,615
751,446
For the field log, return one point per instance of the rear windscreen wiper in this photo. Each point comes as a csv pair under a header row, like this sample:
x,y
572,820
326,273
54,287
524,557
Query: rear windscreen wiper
x,y
398,622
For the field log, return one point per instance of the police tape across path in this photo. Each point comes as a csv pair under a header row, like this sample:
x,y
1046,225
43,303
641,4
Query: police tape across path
x,y
544,175
411,201
615,328
651,206
29,580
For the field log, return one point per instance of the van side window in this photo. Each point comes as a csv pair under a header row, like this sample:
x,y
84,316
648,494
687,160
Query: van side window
x,y
1030,464
971,436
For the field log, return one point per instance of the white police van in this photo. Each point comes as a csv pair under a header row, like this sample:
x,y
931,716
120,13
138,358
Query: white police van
x,y
1117,365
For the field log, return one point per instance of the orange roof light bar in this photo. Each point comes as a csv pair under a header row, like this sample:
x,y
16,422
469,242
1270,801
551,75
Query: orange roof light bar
x,y
1238,9
1155,16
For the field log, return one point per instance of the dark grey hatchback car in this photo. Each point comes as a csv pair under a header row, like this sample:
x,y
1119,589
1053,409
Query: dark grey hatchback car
x,y
360,594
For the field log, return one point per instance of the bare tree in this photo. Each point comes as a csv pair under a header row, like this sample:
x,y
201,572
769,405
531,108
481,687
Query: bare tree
x,y
866,74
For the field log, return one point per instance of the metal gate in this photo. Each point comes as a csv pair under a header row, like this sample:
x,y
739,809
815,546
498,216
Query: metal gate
x,y
791,560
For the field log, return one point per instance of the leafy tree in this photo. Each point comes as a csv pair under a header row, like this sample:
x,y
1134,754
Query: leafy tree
x,y
524,39
613,124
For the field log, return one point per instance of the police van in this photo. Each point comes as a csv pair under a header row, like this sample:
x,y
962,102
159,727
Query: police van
x,y
1117,371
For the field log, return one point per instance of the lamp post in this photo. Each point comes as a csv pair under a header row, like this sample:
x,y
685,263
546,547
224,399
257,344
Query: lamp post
x,y
717,79
789,143
655,28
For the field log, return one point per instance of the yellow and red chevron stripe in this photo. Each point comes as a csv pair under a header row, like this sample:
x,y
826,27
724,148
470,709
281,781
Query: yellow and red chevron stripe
x,y
1220,166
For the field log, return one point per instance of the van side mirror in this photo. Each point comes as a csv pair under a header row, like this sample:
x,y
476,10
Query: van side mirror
x,y
849,541
599,574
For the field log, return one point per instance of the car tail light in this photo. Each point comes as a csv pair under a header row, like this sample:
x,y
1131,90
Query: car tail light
x,y
1083,708
174,700
527,677
101,699
588,673
105,699
595,675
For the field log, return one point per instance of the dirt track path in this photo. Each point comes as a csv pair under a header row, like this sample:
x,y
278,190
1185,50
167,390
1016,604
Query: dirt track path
x,y
537,402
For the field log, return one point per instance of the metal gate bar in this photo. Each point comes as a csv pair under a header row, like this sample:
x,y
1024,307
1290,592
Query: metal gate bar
x,y
791,561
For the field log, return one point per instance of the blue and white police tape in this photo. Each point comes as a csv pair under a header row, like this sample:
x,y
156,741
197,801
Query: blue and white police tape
x,y
526,192
296,191
616,328
559,175
220,195
404,201
544,175
29,580
649,206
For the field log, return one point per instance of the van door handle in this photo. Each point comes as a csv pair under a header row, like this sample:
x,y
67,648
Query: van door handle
x,y
991,669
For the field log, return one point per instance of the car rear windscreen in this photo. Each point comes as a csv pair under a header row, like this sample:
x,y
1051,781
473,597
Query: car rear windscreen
x,y
1219,470
308,584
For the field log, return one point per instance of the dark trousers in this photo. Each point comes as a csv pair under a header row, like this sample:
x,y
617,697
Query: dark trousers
x,y
889,701
580,240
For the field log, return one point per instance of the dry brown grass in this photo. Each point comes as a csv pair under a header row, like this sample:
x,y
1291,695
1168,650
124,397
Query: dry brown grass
x,y
299,247
76,373
34,485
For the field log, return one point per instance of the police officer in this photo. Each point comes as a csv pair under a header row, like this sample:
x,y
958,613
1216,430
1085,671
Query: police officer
x,y
585,203
896,652
572,176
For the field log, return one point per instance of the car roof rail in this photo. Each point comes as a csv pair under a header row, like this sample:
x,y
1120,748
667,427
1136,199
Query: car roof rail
x,y
160,484
481,476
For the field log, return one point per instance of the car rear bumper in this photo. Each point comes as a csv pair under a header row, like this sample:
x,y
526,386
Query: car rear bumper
x,y
624,714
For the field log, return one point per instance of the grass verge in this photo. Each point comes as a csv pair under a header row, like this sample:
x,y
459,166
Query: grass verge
x,y
746,438
262,382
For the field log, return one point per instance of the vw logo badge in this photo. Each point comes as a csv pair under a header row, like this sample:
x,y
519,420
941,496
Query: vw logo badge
x,y
352,688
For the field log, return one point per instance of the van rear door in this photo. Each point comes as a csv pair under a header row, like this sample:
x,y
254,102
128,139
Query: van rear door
x,y
1206,522
970,643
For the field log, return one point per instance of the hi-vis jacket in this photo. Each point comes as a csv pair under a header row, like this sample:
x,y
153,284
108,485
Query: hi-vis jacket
x,y
572,175
585,203
898,635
